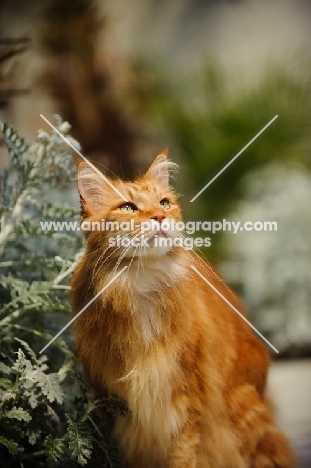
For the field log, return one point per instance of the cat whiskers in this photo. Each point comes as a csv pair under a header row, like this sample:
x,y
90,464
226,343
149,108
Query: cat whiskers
x,y
128,375
133,256
87,257
104,263
126,249
204,265
139,262
141,258
198,261
111,253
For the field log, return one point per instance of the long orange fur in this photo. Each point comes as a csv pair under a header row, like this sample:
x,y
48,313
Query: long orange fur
x,y
191,371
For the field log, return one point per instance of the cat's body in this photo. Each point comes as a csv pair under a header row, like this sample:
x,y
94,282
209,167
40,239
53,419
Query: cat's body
x,y
190,369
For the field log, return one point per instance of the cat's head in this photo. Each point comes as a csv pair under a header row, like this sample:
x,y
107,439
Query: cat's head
x,y
130,219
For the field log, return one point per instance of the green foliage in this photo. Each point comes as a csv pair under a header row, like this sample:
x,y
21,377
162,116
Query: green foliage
x,y
56,450
48,414
210,116
9,444
80,440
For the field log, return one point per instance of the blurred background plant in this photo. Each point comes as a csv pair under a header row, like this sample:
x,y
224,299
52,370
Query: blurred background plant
x,y
269,182
9,49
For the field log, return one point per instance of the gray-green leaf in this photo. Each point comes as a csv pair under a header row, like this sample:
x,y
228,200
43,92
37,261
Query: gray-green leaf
x,y
56,450
18,413
9,444
80,440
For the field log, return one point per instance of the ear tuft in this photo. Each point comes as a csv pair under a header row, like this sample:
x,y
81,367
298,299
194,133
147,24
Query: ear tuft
x,y
91,188
161,169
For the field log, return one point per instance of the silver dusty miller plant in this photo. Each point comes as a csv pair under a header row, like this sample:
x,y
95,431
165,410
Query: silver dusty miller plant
x,y
48,414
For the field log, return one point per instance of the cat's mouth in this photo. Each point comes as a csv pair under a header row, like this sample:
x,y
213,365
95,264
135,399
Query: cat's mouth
x,y
156,236
156,230
159,233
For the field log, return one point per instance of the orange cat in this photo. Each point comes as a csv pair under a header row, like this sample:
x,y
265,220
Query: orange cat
x,y
190,369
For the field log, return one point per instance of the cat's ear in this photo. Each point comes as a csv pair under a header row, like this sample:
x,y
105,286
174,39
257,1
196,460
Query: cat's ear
x,y
160,170
92,189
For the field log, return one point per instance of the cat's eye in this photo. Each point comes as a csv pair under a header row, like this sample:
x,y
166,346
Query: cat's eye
x,y
165,204
128,208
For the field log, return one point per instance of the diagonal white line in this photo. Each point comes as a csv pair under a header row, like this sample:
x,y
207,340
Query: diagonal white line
x,y
233,159
82,310
83,157
234,308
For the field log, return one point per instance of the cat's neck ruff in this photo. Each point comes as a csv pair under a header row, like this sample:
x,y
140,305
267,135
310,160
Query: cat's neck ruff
x,y
156,272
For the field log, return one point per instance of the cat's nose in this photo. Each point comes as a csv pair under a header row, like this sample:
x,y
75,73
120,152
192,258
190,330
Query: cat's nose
x,y
158,217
